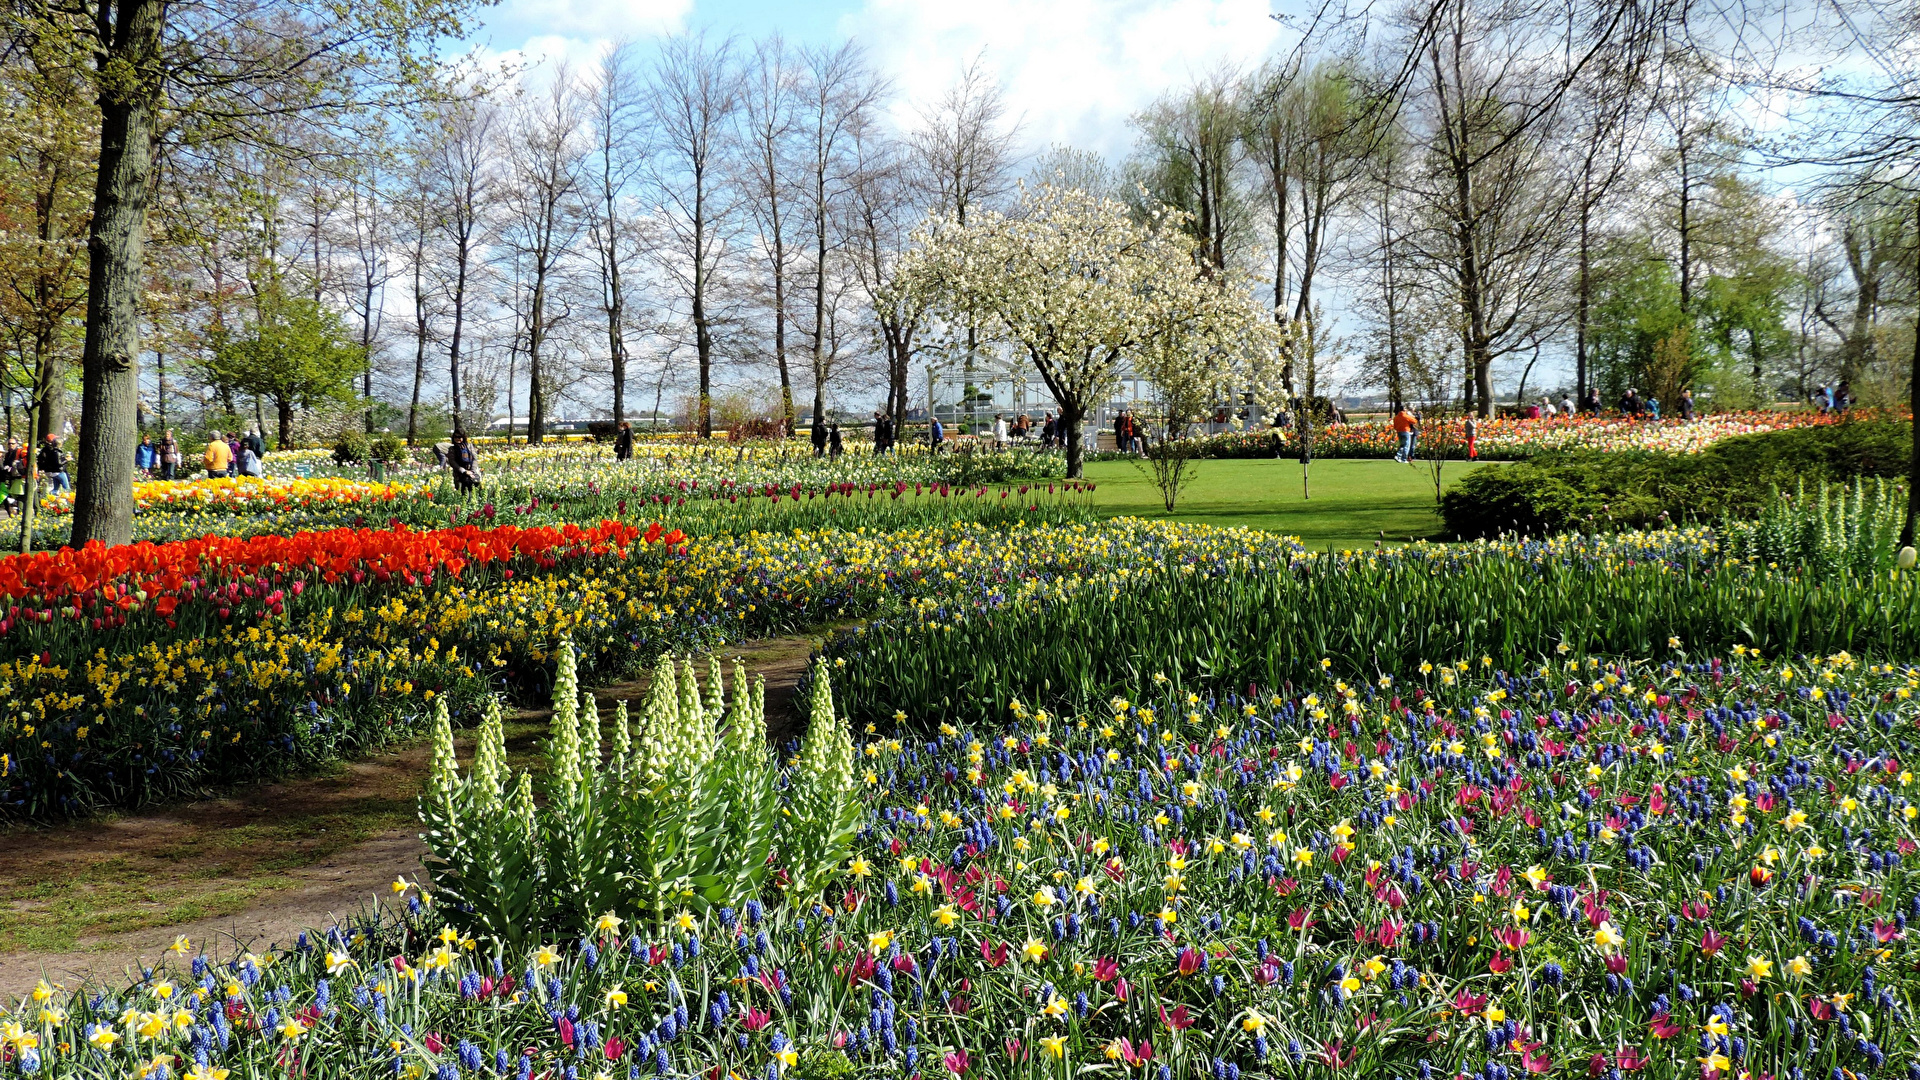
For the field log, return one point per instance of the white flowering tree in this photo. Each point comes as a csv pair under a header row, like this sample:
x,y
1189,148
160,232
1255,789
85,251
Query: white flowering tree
x,y
1078,286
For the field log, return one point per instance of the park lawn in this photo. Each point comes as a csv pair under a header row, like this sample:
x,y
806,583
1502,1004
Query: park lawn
x,y
1354,501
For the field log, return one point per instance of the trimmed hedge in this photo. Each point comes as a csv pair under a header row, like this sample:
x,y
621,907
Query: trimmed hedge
x,y
1590,491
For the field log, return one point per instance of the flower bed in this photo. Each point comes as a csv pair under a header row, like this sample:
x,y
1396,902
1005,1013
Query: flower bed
x,y
274,653
1692,868
1513,440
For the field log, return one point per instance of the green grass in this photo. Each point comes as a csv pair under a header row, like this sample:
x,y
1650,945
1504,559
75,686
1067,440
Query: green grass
x,y
1353,501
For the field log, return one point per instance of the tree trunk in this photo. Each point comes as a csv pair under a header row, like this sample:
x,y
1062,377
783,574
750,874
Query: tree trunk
x,y
780,318
1071,417
284,406
116,243
419,354
702,330
1913,405
820,302
1583,299
617,345
536,396
453,348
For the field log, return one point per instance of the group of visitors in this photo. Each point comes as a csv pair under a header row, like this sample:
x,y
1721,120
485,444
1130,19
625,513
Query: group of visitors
x,y
1831,399
826,441
1635,407
1128,436
49,464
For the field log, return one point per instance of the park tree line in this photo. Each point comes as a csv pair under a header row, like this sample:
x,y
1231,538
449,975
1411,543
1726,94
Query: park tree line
x,y
295,215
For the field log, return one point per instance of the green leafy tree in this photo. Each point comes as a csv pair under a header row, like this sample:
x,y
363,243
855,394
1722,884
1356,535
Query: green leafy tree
x,y
298,354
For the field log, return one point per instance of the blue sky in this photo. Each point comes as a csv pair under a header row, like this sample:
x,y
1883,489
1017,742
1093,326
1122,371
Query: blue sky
x,y
1073,70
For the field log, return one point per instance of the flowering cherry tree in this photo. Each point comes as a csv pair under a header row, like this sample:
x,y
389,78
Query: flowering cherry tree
x,y
1081,288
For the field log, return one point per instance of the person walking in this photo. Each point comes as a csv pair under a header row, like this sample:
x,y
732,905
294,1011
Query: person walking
x,y
1049,429
999,430
623,442
169,456
14,476
258,444
1471,429
818,436
233,454
936,433
465,464
834,446
1653,409
144,455
1566,405
1407,430
248,462
1686,406
53,466
218,457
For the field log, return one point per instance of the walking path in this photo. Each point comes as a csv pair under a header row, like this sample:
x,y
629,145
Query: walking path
x,y
95,899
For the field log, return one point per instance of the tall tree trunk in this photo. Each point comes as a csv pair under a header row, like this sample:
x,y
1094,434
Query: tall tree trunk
x,y
536,395
702,329
284,406
116,246
1583,294
617,347
453,347
366,350
419,347
780,323
1913,406
820,300
1686,233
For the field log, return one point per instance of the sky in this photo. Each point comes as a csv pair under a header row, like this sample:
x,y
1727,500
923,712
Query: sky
x,y
1074,71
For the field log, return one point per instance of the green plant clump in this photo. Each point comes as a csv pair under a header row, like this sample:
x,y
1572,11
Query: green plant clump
x,y
691,814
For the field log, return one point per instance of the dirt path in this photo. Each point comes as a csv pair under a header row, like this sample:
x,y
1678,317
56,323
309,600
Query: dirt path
x,y
93,899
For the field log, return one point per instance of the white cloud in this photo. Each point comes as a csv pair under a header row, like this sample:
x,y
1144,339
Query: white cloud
x,y
1074,71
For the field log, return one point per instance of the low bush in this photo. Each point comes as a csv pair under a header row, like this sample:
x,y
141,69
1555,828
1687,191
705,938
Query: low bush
x,y
1734,478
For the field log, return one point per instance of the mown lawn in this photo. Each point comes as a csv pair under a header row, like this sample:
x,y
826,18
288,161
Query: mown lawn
x,y
1353,502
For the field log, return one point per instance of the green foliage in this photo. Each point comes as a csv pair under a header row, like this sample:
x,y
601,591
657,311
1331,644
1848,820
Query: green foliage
x,y
387,447
298,354
687,816
1734,478
1267,624
1826,530
823,800
351,447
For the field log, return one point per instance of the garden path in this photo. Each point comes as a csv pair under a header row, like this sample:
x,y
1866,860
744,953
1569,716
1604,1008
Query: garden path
x,y
90,900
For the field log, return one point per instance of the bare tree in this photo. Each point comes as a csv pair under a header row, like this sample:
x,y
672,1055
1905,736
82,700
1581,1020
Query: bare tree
x,y
370,236
839,93
964,156
769,103
692,102
422,219
1189,152
884,213
1606,103
1311,134
615,105
465,184
1490,185
543,207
